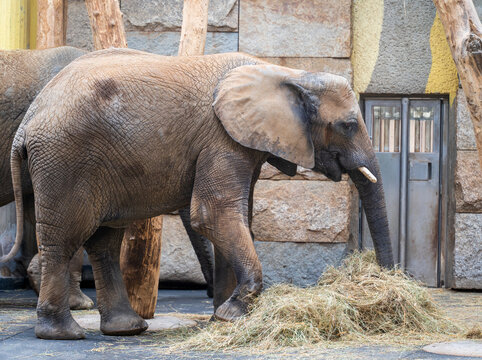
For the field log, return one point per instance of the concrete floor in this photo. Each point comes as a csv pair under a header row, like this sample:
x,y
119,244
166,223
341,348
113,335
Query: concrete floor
x,y
18,341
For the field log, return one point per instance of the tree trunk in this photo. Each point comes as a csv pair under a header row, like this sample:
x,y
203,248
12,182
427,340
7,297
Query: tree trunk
x,y
194,27
106,22
51,23
464,31
141,248
140,264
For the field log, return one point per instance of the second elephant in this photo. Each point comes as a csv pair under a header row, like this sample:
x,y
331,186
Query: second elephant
x,y
23,74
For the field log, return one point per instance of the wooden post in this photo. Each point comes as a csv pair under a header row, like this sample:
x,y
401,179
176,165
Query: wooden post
x,y
51,23
194,27
140,260
107,25
141,248
464,31
141,263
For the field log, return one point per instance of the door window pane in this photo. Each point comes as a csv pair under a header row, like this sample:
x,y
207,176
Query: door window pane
x,y
386,128
421,129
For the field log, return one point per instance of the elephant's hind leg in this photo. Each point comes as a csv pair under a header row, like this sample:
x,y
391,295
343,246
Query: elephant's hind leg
x,y
77,299
117,315
203,249
54,320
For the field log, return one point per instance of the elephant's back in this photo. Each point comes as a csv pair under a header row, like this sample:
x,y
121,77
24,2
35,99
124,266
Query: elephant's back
x,y
139,85
23,74
125,114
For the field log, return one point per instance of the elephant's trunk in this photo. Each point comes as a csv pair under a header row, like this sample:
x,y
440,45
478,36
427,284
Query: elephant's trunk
x,y
373,201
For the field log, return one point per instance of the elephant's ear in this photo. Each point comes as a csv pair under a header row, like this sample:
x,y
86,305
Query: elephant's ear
x,y
262,107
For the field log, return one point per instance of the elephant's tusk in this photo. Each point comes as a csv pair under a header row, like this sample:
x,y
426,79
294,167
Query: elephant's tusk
x,y
367,174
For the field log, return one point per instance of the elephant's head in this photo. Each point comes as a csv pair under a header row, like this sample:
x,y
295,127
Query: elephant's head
x,y
309,119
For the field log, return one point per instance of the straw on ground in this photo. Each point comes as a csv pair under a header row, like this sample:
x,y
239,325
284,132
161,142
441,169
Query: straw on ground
x,y
358,301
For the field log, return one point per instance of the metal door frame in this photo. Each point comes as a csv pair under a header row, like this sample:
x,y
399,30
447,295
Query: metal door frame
x,y
444,253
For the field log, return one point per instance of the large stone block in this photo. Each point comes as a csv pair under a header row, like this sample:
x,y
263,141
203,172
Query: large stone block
x,y
167,43
178,260
340,67
468,251
304,211
468,184
465,129
79,33
295,28
297,263
166,15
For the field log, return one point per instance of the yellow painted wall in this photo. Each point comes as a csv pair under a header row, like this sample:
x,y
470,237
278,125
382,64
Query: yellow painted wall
x,y
367,18
367,24
18,24
443,73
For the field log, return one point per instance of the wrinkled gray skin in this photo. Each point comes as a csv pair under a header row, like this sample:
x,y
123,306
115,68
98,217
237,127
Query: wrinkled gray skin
x,y
23,73
121,135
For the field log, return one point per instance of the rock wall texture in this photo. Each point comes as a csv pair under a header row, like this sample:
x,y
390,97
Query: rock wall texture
x,y
467,266
468,251
307,217
399,47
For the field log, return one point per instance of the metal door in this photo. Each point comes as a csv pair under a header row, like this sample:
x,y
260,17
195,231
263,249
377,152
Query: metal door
x,y
406,137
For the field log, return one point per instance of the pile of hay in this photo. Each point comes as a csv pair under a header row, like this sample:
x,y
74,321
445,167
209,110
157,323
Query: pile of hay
x,y
356,301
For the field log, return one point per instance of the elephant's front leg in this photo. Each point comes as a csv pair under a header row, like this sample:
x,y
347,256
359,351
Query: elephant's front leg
x,y
219,210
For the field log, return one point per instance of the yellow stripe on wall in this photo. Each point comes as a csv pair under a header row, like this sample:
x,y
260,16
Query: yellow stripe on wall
x,y
367,17
443,73
32,28
18,24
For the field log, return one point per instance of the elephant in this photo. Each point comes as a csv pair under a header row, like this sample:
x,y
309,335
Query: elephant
x,y
23,74
120,135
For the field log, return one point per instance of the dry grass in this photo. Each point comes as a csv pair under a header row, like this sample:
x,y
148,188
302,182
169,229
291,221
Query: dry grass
x,y
356,302
474,333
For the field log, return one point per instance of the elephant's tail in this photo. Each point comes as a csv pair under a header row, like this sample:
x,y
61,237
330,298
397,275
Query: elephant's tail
x,y
17,155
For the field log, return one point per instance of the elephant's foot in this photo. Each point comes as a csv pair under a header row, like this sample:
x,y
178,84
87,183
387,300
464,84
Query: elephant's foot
x,y
237,305
79,301
58,329
123,324
231,310
34,273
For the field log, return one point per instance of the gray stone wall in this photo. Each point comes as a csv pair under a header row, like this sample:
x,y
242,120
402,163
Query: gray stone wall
x,y
467,253
155,25
300,225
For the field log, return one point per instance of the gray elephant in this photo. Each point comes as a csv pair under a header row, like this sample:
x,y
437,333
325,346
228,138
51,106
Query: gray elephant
x,y
23,74
121,135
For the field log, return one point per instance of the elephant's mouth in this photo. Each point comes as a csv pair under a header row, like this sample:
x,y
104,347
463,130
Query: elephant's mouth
x,y
332,165
328,163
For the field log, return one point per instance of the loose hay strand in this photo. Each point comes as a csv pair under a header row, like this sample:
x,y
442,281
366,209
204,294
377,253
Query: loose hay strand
x,y
353,302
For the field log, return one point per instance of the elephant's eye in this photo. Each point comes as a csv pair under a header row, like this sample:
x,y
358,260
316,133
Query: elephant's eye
x,y
348,127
